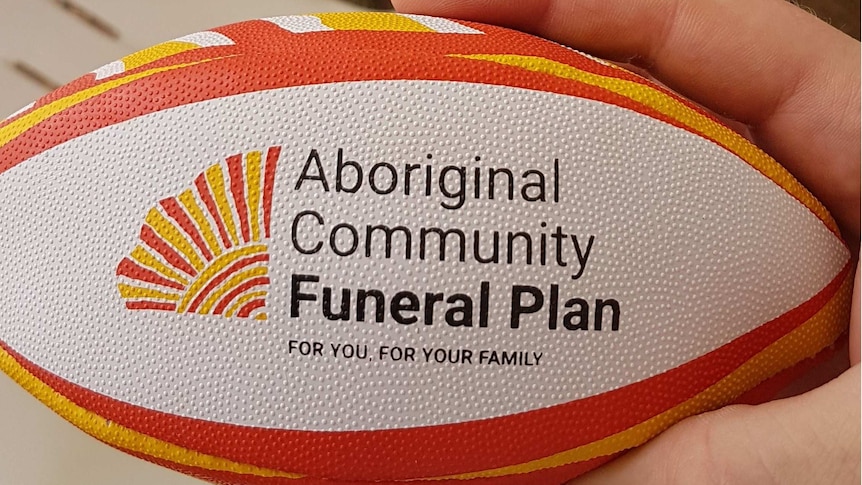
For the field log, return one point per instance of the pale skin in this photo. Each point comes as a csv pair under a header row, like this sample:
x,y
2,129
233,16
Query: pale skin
x,y
792,83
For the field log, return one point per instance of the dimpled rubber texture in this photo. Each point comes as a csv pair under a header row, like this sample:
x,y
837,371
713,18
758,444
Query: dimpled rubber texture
x,y
175,232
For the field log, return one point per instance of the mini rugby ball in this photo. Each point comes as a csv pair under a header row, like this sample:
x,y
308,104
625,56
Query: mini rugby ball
x,y
383,248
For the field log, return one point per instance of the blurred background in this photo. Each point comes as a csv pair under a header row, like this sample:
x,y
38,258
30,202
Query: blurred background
x,y
43,45
47,43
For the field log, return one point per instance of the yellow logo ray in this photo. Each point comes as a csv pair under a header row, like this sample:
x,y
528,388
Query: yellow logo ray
x,y
187,199
253,189
215,179
147,260
230,284
174,237
213,269
135,292
243,300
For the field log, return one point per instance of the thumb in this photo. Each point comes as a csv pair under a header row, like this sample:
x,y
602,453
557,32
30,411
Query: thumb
x,y
811,438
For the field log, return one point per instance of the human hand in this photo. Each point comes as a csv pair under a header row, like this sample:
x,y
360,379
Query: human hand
x,y
794,82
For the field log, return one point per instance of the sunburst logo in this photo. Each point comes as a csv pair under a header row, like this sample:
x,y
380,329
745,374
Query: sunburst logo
x,y
204,251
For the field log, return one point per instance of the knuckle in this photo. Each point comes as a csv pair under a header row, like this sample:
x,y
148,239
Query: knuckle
x,y
695,454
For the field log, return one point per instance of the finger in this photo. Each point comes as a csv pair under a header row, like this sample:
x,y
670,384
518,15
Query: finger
x,y
799,441
766,63
854,316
